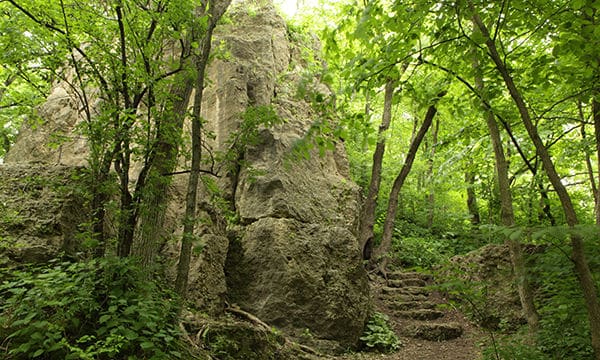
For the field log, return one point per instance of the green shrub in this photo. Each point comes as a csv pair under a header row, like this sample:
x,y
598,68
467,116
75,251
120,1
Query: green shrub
x,y
97,309
379,336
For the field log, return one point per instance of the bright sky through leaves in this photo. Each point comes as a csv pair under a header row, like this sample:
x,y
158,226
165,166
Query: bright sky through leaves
x,y
291,7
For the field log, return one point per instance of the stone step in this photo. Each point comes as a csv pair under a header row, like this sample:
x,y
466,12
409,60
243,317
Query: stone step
x,y
409,305
420,314
410,290
434,331
407,283
402,297
400,275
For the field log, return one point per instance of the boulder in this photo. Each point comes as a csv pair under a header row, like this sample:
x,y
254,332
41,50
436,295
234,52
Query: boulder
x,y
299,276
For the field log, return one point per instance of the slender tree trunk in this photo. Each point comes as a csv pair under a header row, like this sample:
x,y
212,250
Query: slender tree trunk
x,y
596,117
152,186
588,163
382,251
472,198
431,197
506,211
367,216
183,266
5,141
582,269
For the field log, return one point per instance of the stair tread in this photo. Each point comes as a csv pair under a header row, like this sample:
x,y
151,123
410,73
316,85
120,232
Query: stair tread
x,y
410,305
434,331
407,283
412,290
401,275
421,314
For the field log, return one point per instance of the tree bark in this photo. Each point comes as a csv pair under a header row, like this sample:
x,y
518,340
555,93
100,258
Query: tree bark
x,y
596,118
472,198
582,269
431,196
215,11
367,216
507,216
588,161
382,251
161,161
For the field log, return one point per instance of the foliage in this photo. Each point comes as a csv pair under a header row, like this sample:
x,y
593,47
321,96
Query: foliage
x,y
417,246
379,336
97,309
565,329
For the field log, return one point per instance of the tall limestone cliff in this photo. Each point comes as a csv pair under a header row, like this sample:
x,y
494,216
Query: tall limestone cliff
x,y
293,260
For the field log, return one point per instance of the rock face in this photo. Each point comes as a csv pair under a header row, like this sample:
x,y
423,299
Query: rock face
x,y
488,271
293,260
39,212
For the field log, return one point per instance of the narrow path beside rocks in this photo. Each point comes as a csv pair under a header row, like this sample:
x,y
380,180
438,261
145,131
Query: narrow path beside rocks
x,y
426,325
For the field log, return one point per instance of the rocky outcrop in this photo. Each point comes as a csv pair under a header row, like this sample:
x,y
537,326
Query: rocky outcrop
x,y
487,272
40,212
51,138
293,259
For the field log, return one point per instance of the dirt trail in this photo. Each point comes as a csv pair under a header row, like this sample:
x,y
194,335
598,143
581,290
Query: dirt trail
x,y
427,326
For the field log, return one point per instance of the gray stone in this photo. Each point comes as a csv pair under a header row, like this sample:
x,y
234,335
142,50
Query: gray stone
x,y
434,331
300,276
294,260
420,314
41,212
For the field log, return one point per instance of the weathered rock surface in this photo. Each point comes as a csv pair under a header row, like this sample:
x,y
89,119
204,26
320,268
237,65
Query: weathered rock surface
x,y
51,138
294,260
300,276
40,212
489,270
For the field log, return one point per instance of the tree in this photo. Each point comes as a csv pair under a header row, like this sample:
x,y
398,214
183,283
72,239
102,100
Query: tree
x,y
381,253
125,54
581,265
215,9
367,215
507,215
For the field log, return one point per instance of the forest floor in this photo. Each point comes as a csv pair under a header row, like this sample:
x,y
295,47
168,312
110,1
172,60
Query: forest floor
x,y
387,299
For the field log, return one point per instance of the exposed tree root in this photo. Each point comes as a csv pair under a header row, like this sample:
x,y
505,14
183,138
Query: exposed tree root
x,y
258,322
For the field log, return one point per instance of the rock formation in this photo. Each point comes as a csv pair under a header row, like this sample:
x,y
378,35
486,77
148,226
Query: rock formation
x,y
40,212
293,260
488,272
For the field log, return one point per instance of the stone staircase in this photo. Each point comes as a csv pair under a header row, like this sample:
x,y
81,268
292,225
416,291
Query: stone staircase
x,y
415,309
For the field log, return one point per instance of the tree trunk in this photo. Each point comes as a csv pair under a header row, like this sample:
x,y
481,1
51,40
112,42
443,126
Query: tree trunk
x,y
588,161
596,118
201,60
367,216
431,197
506,211
152,186
472,198
582,269
382,251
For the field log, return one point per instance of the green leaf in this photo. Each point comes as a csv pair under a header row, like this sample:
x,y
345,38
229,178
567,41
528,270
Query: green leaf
x,y
105,318
146,345
577,4
38,353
